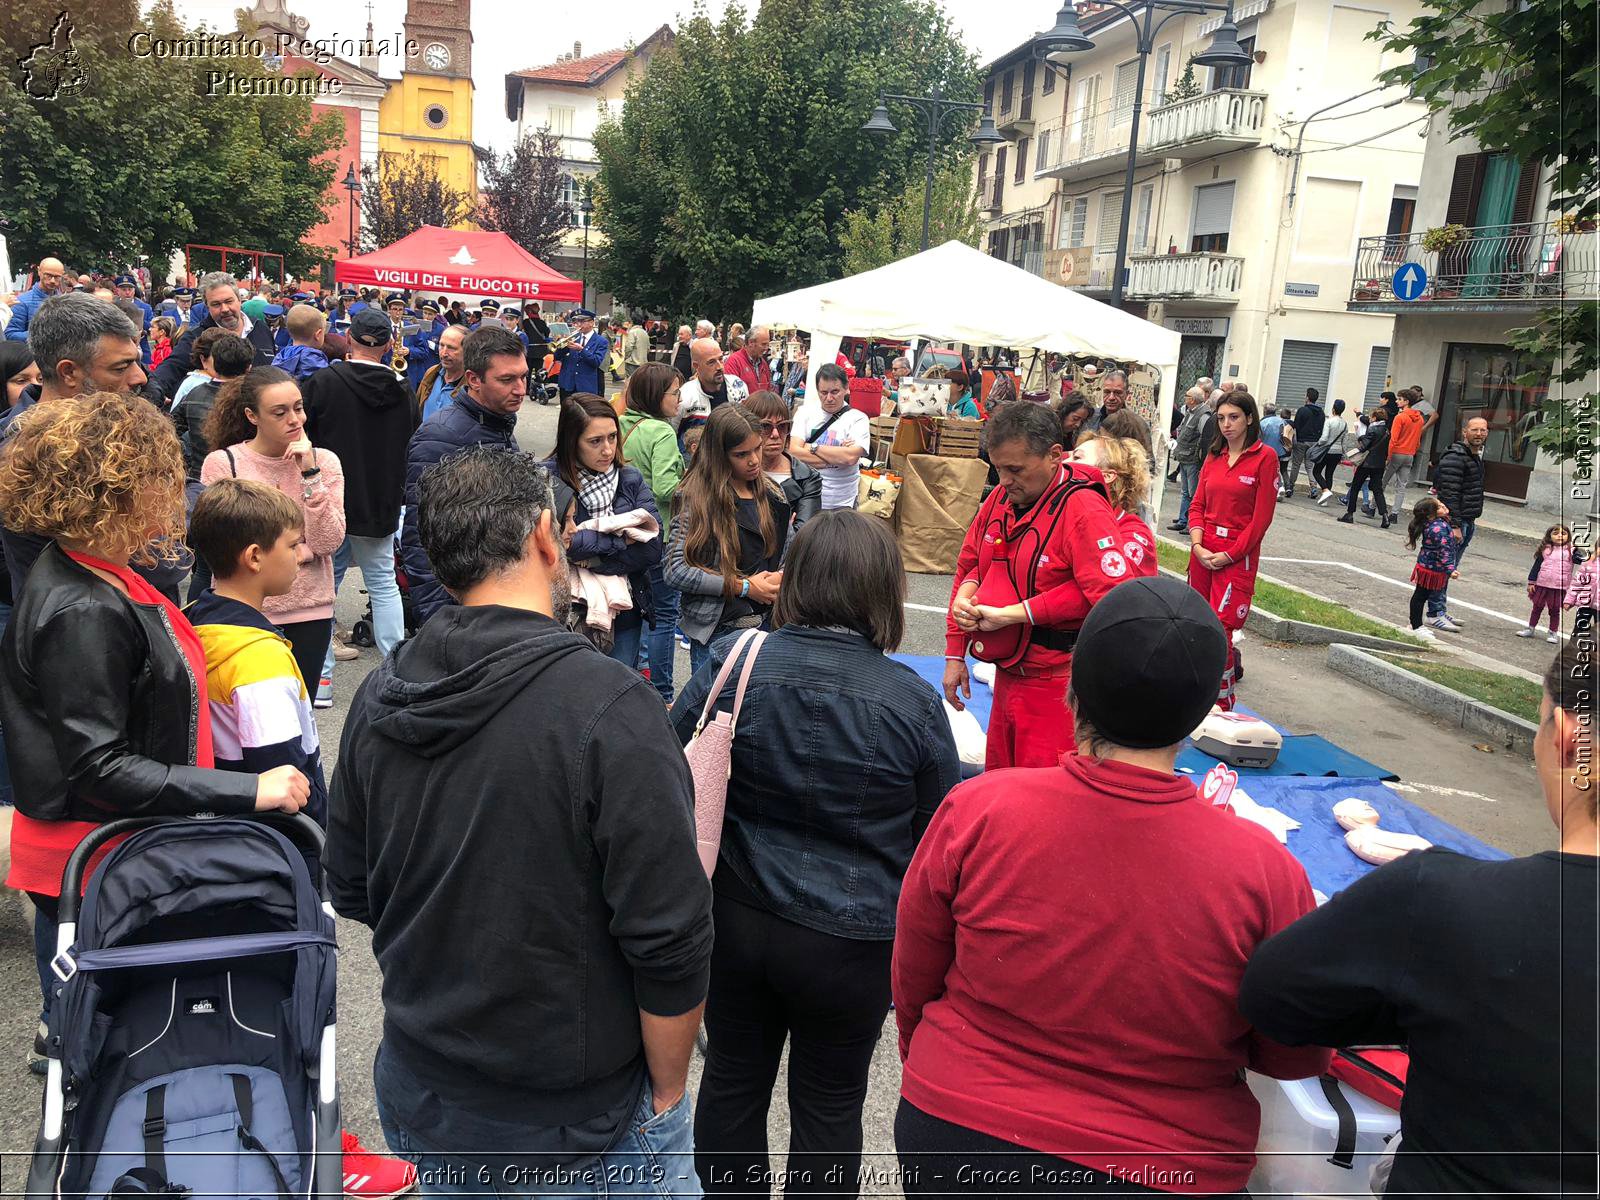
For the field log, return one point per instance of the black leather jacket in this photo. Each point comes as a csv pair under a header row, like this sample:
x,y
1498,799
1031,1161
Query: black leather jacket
x,y
803,490
100,708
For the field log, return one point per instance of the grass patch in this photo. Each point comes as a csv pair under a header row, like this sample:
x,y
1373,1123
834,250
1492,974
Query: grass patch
x,y
1509,693
1295,605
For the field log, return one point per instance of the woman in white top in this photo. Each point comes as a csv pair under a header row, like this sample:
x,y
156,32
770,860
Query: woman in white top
x,y
832,438
1326,455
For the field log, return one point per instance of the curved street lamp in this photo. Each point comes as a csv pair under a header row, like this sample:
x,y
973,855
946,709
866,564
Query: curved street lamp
x,y
1058,44
934,109
352,184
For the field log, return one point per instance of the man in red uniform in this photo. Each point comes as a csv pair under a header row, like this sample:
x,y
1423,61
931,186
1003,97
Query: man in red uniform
x,y
1043,548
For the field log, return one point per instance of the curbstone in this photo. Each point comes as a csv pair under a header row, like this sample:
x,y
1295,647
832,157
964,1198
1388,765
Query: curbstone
x,y
1510,731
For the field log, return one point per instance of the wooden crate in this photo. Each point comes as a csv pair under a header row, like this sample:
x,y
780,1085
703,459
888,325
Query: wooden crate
x,y
957,438
883,431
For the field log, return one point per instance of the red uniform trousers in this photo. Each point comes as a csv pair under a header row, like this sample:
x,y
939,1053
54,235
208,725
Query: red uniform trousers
x,y
1030,724
1229,592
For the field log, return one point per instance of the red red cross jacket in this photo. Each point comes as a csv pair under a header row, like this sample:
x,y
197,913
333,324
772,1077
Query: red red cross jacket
x,y
1071,548
1233,506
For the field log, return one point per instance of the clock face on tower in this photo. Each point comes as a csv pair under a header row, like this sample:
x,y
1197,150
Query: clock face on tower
x,y
437,55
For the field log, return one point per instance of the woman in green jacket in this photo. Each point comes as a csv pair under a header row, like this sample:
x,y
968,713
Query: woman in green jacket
x,y
650,446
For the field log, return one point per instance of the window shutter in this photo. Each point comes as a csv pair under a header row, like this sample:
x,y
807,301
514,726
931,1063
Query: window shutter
x,y
1213,209
1527,188
1027,89
1377,374
1303,365
1466,185
1110,220
1126,86
1043,153
999,175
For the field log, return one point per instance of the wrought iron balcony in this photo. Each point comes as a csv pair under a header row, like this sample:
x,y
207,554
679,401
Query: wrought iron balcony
x,y
1494,267
1225,119
1203,278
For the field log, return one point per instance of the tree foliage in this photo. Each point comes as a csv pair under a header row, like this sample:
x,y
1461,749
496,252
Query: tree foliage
x,y
403,193
1523,78
876,238
138,158
522,195
737,154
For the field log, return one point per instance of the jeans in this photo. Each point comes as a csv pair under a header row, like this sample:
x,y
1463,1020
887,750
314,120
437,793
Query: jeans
x,y
772,982
661,643
1398,468
652,1156
341,567
698,656
1437,601
1297,459
625,643
375,557
1188,481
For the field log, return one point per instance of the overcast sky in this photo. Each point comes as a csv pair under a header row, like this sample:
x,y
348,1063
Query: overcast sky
x,y
509,35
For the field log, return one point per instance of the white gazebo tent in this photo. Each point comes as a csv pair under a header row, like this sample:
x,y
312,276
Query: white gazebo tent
x,y
955,292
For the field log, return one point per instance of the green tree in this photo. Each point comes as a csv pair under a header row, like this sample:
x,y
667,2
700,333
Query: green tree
x,y
523,195
737,154
143,154
404,193
872,239
1522,78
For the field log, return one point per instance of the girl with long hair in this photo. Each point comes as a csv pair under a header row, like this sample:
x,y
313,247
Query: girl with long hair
x,y
1549,578
18,372
258,421
593,486
651,446
1228,517
729,530
1435,561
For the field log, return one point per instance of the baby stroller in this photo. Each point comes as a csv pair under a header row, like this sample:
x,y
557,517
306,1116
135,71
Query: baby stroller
x,y
362,632
192,1033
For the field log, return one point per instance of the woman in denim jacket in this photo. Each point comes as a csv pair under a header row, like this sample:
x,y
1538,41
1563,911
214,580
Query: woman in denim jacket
x,y
841,758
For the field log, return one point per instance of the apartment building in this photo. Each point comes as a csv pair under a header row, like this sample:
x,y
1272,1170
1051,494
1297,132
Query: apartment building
x,y
571,96
1493,254
1252,185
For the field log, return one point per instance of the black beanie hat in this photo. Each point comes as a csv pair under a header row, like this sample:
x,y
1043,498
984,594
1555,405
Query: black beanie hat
x,y
1148,663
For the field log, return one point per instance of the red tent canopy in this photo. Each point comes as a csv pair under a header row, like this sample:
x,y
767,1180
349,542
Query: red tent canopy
x,y
472,263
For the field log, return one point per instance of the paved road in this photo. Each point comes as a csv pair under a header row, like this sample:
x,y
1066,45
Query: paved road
x,y
1369,570
1492,796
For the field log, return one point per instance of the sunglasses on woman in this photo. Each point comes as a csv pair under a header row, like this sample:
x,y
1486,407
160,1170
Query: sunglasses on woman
x,y
770,427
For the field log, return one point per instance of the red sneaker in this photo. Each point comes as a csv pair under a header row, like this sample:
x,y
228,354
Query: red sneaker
x,y
370,1176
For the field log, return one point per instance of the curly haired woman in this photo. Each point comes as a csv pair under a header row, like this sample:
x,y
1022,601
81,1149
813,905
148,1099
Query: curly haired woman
x,y
102,679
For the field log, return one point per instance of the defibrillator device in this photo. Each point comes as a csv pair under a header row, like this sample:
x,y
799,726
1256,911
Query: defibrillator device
x,y
1014,572
1238,739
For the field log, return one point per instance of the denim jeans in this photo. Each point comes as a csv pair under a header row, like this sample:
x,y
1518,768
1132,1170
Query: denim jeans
x,y
1188,480
1436,601
625,646
661,643
375,557
653,1156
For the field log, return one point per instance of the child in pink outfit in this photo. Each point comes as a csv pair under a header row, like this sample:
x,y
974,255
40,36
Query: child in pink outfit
x,y
1548,580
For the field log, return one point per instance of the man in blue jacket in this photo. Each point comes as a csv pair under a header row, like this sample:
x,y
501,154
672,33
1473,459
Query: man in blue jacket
x,y
51,272
484,412
583,362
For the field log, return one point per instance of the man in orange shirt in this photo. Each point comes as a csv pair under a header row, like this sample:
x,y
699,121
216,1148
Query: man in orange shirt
x,y
1405,435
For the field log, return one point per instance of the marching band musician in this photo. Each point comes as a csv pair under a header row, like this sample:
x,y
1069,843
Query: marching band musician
x,y
1044,547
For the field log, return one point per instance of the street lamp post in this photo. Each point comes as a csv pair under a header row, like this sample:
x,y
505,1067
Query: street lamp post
x,y
934,108
1065,39
352,184
585,207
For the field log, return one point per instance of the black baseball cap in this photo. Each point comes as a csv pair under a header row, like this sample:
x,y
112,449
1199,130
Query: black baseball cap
x,y
1148,663
371,327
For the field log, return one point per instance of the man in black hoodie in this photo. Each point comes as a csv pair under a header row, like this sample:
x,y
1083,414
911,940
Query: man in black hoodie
x,y
512,817
362,411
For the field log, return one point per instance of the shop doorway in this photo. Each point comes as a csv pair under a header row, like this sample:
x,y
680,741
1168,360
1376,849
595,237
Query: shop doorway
x,y
1481,381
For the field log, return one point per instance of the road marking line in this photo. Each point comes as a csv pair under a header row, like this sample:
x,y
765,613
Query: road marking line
x,y
1439,790
925,608
1324,562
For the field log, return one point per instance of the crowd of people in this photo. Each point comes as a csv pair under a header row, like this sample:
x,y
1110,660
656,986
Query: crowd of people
x,y
513,814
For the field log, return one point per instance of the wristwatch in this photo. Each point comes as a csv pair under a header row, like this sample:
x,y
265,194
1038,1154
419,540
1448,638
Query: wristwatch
x,y
311,473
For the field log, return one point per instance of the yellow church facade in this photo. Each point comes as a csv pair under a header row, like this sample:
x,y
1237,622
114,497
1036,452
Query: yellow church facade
x,y
428,112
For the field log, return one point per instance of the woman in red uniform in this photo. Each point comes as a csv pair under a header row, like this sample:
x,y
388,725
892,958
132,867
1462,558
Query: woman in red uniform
x,y
1228,517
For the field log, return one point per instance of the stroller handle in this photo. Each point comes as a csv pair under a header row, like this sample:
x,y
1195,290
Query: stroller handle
x,y
298,827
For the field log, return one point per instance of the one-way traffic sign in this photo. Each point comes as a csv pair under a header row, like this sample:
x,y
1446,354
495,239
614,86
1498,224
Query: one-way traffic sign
x,y
1410,281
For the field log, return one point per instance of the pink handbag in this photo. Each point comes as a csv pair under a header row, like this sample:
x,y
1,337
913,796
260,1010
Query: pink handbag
x,y
710,752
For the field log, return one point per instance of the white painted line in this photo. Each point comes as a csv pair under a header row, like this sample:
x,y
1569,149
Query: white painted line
x,y
1454,603
925,608
1439,790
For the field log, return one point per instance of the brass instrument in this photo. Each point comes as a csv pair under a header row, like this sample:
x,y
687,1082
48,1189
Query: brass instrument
x,y
562,342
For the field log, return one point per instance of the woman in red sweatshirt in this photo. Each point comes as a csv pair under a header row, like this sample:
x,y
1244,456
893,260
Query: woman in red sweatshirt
x,y
1071,939
1228,517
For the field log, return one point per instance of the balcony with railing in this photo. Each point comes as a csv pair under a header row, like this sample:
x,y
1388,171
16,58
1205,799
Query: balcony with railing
x,y
1489,269
1199,278
1226,119
1091,141
1015,118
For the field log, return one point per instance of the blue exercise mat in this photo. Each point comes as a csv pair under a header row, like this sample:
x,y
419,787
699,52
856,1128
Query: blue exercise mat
x,y
932,669
1302,754
1319,842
